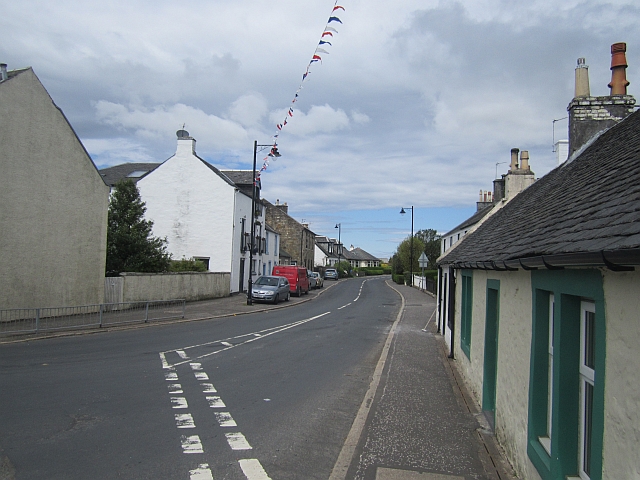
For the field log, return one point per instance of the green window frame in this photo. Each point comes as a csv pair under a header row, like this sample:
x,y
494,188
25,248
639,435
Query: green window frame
x,y
556,417
466,312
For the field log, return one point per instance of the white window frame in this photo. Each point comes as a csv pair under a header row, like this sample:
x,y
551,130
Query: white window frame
x,y
546,440
587,377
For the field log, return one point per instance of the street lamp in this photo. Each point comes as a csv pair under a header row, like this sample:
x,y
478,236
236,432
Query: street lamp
x,y
402,212
272,153
339,227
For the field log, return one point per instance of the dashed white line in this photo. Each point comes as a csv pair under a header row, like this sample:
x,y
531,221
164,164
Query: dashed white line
x,y
237,441
179,402
170,376
182,354
344,306
215,402
196,367
225,419
208,388
201,376
184,420
201,473
191,444
226,344
253,470
174,388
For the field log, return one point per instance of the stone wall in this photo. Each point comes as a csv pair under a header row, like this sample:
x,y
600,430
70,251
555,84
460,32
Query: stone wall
x,y
166,286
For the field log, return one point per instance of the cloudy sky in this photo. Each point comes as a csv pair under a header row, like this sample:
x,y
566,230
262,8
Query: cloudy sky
x,y
415,104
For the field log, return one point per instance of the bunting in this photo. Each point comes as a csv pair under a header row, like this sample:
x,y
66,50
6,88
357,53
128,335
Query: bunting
x,y
327,33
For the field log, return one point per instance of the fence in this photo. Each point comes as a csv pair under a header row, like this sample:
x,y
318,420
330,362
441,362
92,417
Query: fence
x,y
425,283
36,320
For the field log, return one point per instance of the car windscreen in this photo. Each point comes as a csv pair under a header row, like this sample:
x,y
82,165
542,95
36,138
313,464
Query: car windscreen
x,y
270,281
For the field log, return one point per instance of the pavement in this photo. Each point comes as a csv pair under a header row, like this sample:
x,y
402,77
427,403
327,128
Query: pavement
x,y
417,421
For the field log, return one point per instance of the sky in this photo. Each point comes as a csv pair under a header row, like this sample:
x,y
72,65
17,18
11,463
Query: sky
x,y
416,104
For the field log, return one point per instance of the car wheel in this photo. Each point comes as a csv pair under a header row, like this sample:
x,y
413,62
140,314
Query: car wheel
x,y
286,299
275,299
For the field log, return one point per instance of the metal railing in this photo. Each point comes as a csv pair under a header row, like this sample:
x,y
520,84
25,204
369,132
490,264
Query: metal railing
x,y
36,320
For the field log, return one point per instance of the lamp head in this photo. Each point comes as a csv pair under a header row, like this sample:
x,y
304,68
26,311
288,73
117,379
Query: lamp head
x,y
274,152
402,212
337,225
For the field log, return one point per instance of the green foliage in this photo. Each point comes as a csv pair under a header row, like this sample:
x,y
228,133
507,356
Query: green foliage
x,y
130,244
342,267
407,278
431,241
371,270
187,265
433,274
404,254
399,279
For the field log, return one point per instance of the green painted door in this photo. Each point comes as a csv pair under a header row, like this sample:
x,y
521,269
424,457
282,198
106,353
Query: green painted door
x,y
491,350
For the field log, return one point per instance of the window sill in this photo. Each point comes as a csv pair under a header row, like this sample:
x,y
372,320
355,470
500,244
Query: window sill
x,y
546,444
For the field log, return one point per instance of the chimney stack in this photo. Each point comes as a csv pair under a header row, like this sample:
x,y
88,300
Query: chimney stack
x,y
589,116
582,79
619,81
3,72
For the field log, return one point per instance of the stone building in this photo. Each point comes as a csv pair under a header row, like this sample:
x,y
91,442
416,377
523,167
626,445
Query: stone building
x,y
295,237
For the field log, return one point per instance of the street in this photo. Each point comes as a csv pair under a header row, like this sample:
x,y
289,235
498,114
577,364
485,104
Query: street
x,y
266,395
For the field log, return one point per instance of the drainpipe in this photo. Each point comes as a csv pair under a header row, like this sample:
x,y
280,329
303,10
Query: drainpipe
x,y
440,285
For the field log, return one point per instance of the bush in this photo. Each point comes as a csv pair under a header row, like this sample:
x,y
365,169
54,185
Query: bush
x,y
185,265
407,278
371,270
399,279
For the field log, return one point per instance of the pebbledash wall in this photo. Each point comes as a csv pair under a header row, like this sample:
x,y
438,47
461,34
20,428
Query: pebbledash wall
x,y
167,286
621,432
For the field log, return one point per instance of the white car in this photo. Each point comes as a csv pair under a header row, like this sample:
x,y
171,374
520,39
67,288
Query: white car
x,y
319,280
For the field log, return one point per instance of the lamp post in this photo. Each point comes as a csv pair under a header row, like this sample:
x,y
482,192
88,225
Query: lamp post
x,y
254,186
402,212
339,227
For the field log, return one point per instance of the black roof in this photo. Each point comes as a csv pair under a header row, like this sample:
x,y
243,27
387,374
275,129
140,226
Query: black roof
x,y
113,175
584,212
359,254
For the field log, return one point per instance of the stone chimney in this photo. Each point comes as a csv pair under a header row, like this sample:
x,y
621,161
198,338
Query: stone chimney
x,y
284,208
589,116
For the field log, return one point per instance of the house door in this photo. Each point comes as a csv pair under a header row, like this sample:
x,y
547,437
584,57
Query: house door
x,y
491,351
241,285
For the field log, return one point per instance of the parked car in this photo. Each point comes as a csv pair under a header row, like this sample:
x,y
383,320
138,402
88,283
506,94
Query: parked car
x,y
268,288
331,274
319,280
313,283
297,276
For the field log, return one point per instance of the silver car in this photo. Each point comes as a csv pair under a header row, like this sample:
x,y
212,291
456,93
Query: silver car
x,y
319,280
268,288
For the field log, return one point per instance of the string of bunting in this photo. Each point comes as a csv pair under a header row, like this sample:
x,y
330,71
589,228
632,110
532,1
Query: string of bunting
x,y
325,39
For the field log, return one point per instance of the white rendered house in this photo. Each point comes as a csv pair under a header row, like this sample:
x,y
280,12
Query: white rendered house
x,y
205,215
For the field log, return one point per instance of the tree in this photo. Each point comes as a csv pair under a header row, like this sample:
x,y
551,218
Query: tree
x,y
431,241
130,244
404,253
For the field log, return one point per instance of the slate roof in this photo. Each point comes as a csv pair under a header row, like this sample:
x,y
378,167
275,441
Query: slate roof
x,y
359,255
584,212
471,221
113,175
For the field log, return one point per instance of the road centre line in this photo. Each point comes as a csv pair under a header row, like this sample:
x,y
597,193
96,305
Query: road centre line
x,y
261,334
237,441
253,470
201,473
191,444
344,306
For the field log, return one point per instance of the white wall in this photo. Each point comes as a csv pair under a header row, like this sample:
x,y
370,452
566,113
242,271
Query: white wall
x,y
622,389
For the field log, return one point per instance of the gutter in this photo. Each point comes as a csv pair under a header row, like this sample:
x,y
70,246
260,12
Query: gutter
x,y
615,260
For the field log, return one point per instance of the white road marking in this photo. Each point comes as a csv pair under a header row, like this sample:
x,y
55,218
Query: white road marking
x,y
163,359
253,337
344,306
201,473
184,420
215,402
196,366
237,441
179,402
174,388
225,419
182,354
253,470
201,376
208,388
170,376
191,444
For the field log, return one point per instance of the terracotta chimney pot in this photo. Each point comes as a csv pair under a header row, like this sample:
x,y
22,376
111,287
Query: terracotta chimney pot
x,y
619,81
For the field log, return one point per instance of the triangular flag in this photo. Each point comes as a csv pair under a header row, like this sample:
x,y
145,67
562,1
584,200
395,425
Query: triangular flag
x,y
334,19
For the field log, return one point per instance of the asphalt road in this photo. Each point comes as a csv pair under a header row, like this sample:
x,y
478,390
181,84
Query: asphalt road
x,y
266,395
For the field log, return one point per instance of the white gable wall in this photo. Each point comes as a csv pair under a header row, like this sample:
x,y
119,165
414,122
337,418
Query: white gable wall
x,y
193,207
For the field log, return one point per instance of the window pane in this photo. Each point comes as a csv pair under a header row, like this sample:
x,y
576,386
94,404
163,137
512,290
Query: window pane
x,y
588,416
589,339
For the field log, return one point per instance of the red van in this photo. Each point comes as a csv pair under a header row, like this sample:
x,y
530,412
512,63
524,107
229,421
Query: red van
x,y
297,276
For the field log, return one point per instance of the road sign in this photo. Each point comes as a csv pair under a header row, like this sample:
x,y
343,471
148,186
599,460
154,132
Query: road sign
x,y
423,261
